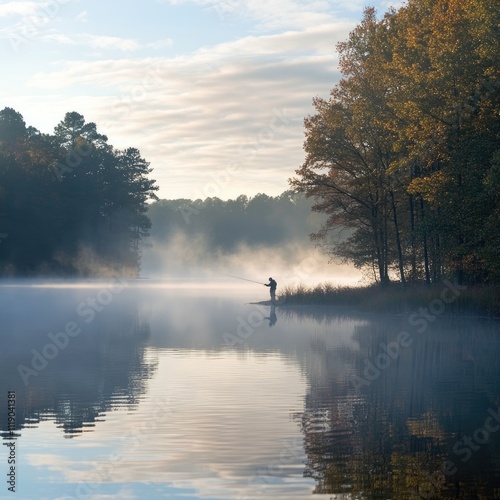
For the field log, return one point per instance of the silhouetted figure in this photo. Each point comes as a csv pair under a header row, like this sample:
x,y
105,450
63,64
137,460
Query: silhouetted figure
x,y
272,315
272,289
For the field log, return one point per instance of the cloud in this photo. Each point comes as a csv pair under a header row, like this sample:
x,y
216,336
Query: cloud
x,y
44,9
275,15
195,114
32,20
286,14
160,44
19,8
103,42
95,41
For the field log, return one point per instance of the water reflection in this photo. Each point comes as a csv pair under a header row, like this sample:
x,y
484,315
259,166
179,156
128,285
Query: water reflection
x,y
273,318
301,402
72,380
422,423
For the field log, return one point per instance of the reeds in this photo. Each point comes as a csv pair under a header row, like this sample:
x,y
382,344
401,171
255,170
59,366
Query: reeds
x,y
476,301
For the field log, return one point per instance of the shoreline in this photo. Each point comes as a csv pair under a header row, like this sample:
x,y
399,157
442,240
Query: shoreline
x,y
447,299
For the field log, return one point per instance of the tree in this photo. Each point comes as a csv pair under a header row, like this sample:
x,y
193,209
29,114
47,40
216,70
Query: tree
x,y
445,72
80,200
402,150
109,193
349,140
73,127
29,197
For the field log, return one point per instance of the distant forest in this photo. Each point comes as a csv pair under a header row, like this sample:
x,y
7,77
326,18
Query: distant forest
x,y
70,204
261,220
406,151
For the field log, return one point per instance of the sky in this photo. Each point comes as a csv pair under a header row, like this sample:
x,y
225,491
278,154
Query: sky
x,y
212,92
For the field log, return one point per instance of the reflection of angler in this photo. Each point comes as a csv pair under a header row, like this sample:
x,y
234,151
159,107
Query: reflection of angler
x,y
272,316
272,289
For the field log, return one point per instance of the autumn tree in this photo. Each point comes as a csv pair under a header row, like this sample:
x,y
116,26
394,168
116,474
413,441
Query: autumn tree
x,y
348,153
402,153
445,68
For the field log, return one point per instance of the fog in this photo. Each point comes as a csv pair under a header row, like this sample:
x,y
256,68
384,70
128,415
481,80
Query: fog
x,y
253,238
191,258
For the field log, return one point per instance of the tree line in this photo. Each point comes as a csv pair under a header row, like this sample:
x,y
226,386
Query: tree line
x,y
70,203
224,225
405,152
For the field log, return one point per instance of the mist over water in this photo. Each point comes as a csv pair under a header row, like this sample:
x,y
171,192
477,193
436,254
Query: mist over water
x,y
253,238
292,263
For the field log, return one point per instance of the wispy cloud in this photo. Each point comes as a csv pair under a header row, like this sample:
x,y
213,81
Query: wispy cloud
x,y
278,14
23,22
96,41
240,101
41,8
106,42
19,8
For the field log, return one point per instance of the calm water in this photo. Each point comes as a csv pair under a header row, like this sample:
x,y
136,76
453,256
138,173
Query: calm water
x,y
134,391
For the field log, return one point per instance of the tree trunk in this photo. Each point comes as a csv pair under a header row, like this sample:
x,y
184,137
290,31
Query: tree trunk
x,y
413,240
398,239
426,249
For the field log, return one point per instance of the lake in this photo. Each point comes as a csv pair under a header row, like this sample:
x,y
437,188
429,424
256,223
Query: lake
x,y
144,389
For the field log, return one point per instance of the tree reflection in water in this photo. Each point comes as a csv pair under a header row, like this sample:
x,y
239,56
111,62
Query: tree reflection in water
x,y
103,368
404,434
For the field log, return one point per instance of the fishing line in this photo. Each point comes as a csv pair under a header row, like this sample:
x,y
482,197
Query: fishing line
x,y
244,279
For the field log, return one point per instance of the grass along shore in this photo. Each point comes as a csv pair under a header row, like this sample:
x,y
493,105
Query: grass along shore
x,y
445,298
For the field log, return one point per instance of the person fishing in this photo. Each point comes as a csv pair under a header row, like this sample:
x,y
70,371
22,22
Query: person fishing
x,y
272,285
272,289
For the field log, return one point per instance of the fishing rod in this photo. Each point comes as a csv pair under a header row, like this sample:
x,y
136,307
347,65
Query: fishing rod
x,y
244,279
